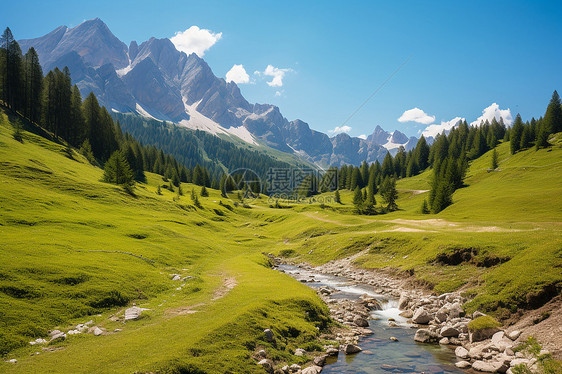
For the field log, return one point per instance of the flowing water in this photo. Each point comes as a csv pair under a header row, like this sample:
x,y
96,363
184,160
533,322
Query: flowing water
x,y
380,354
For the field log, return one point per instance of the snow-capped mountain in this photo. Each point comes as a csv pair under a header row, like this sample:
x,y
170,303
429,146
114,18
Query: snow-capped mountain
x,y
156,80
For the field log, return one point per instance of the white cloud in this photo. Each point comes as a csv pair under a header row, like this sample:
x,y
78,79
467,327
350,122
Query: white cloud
x,y
237,74
362,136
416,115
433,130
494,111
340,129
277,74
277,93
195,40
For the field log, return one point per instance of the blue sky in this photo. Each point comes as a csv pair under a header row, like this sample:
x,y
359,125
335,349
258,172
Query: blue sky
x,y
464,55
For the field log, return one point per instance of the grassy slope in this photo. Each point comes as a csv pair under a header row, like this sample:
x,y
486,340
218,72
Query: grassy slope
x,y
56,215
514,213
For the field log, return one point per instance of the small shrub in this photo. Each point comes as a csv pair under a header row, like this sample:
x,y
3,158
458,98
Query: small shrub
x,y
113,298
287,252
483,322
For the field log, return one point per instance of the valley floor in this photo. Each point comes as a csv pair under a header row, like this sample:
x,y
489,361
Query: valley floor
x,y
66,241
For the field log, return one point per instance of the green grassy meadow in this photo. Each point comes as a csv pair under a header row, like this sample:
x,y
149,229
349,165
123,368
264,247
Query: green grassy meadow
x,y
73,248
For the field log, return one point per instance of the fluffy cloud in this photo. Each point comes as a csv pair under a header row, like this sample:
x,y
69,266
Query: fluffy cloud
x,y
277,74
195,40
237,74
416,115
433,130
362,136
340,129
494,111
278,93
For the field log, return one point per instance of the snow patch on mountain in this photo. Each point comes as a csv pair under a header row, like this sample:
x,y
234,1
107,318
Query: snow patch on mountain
x,y
243,134
144,113
124,71
198,121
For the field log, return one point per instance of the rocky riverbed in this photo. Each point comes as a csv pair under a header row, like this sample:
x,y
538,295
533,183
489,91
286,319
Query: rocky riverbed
x,y
437,320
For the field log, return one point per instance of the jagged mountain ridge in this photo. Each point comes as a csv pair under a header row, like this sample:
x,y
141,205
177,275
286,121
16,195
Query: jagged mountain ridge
x,y
156,80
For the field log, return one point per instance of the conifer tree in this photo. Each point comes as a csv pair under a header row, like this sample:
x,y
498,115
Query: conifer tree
x,y
542,139
526,137
355,179
204,192
389,193
117,170
357,198
11,75
33,80
552,120
387,166
337,197
494,163
77,126
515,134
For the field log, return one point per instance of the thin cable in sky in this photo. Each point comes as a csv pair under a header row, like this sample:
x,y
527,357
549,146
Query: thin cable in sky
x,y
377,90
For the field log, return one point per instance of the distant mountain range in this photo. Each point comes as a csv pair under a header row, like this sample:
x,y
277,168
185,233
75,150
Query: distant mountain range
x,y
156,80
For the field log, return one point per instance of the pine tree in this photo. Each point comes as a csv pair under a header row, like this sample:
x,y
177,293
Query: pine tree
x,y
552,120
494,164
204,192
11,71
33,78
357,198
158,190
77,125
355,179
542,139
515,134
86,150
387,165
526,138
421,153
425,207
117,170
389,193
337,197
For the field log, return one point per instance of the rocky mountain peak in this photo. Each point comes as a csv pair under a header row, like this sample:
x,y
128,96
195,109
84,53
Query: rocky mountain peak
x,y
155,79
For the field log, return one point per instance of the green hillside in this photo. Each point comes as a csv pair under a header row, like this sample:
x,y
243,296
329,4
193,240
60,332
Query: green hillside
x,y
74,248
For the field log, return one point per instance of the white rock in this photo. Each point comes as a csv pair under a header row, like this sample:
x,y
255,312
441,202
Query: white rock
x,y
97,331
267,364
488,367
497,337
133,313
449,331
461,352
421,316
300,352
351,348
55,332
312,370
60,335
514,334
463,364
294,367
12,361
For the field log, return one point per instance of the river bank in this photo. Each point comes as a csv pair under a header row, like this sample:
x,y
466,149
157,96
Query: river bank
x,y
362,299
